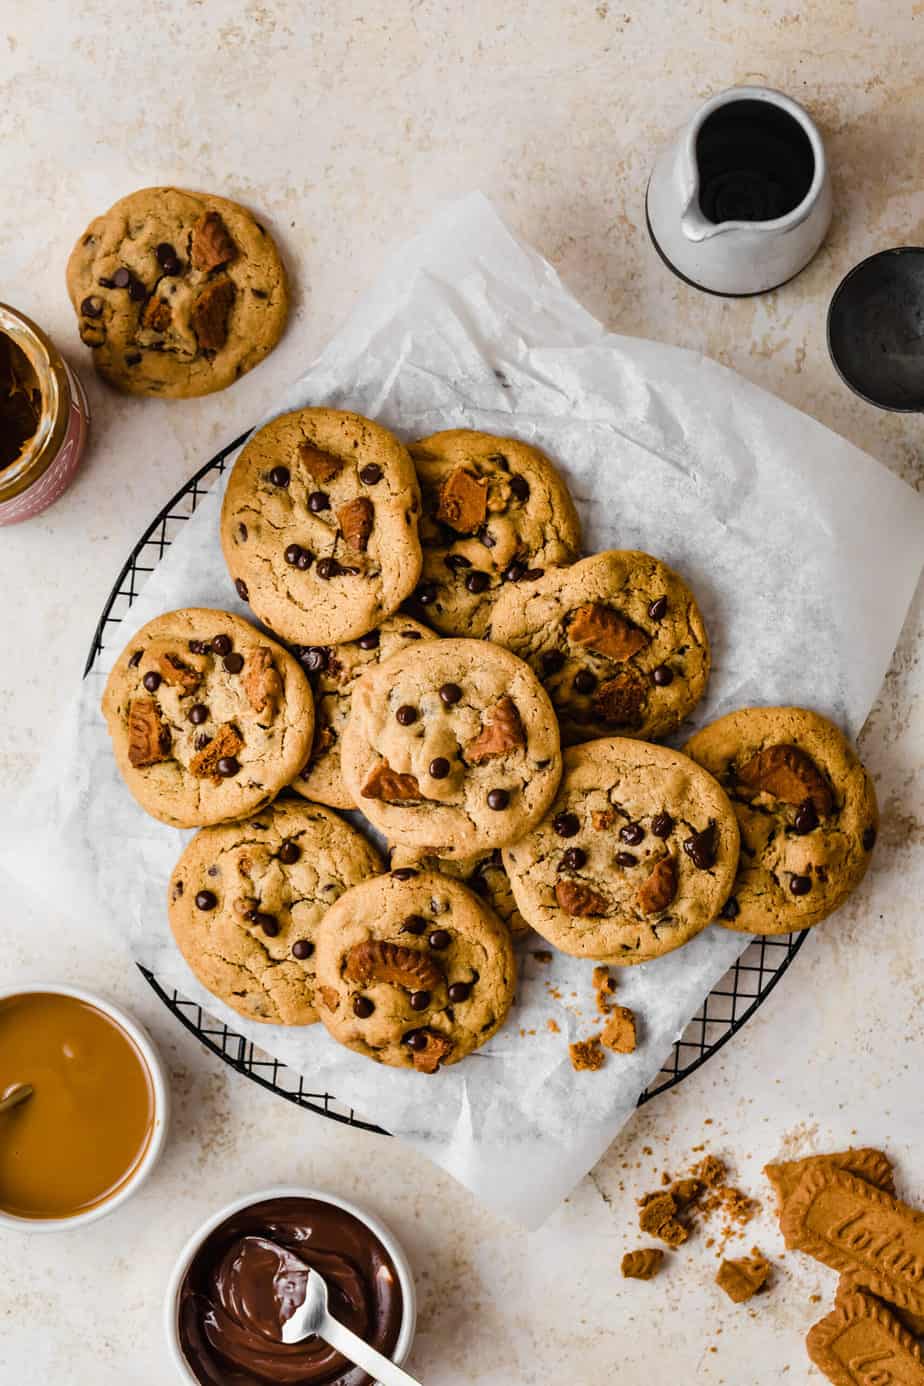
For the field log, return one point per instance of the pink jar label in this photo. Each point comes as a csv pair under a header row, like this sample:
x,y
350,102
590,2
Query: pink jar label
x,y
56,478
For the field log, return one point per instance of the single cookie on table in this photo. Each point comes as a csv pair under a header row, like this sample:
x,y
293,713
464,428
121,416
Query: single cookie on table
x,y
209,718
483,873
617,640
332,672
806,809
413,970
177,293
495,512
452,747
319,525
635,857
246,901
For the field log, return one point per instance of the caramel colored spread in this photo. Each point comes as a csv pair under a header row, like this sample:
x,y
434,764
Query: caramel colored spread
x,y
248,1276
88,1123
20,401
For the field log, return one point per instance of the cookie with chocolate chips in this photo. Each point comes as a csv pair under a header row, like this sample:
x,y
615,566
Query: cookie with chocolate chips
x,y
496,514
333,671
807,812
246,901
319,525
452,748
177,293
617,640
636,855
413,970
209,718
483,873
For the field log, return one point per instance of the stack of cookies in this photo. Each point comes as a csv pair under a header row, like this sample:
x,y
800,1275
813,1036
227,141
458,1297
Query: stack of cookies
x,y
438,639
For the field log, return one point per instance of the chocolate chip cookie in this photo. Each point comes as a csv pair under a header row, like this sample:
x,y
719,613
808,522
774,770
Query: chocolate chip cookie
x,y
177,293
246,901
635,857
806,809
617,640
333,671
483,873
209,718
413,970
319,525
495,513
452,747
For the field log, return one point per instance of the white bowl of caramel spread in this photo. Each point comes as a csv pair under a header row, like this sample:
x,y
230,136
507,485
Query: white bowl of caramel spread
x,y
223,1314
96,1122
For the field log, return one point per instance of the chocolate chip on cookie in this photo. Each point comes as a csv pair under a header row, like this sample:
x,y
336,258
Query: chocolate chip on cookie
x,y
495,511
806,809
414,972
353,545
165,323
466,703
617,640
596,900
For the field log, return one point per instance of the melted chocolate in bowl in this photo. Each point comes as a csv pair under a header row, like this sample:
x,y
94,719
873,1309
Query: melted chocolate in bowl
x,y
247,1277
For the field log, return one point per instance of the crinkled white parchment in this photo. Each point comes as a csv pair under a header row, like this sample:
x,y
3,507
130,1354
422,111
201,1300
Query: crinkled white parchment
x,y
803,552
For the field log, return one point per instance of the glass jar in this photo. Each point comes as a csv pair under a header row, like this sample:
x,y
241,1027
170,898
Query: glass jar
x,y
44,419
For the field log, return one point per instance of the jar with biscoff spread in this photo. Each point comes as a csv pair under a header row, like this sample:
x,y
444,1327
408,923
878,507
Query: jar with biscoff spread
x,y
44,419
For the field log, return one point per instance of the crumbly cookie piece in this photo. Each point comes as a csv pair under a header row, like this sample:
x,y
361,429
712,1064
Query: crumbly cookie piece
x,y
246,901
452,747
742,1277
807,812
413,970
617,641
643,1264
209,718
319,525
495,512
483,873
636,855
333,671
177,293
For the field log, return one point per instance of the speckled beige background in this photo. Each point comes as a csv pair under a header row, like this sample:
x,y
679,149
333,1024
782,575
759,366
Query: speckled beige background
x,y
345,124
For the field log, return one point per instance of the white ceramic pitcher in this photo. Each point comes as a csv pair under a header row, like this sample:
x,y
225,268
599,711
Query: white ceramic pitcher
x,y
740,201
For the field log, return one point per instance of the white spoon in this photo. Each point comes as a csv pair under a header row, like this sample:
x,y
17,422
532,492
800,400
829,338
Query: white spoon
x,y
313,1317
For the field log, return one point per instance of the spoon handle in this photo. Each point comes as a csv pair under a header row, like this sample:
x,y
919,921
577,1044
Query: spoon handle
x,y
357,1350
17,1094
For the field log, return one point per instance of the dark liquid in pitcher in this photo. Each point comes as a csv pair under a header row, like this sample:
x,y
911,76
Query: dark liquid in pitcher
x,y
755,163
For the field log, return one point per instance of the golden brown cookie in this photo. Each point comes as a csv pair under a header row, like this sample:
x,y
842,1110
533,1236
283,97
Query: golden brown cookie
x,y
413,970
333,671
861,1343
319,525
177,293
246,901
451,748
495,512
636,855
617,641
807,812
209,718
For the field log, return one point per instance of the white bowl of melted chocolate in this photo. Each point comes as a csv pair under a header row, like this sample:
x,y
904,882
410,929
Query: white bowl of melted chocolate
x,y
226,1304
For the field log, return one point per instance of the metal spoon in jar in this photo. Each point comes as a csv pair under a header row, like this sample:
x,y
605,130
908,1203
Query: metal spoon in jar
x,y
19,1092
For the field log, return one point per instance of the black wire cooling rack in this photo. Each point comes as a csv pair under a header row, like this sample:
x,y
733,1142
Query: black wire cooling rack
x,y
729,1006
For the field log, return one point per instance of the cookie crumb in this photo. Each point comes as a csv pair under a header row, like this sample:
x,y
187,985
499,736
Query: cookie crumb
x,y
619,1031
657,1217
744,1277
553,1026
643,1264
587,1055
710,1170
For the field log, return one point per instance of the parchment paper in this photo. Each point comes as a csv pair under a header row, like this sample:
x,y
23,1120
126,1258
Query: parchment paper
x,y
804,554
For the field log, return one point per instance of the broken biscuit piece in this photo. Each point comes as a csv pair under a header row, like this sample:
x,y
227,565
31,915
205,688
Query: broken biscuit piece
x,y
743,1276
643,1264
